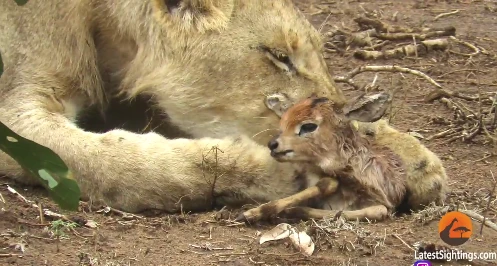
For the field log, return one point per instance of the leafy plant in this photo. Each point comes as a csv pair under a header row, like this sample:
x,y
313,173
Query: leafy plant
x,y
41,162
59,227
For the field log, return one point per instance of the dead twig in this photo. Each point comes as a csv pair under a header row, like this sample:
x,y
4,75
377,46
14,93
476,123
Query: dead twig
x,y
484,157
124,215
393,69
480,218
449,31
435,95
381,26
488,202
40,210
421,48
359,39
210,167
209,247
475,49
256,262
403,242
9,255
446,14
441,134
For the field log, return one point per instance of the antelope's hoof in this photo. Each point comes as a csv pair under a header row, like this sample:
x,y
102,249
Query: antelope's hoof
x,y
241,218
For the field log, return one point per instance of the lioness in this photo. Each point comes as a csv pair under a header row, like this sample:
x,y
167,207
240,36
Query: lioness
x,y
209,65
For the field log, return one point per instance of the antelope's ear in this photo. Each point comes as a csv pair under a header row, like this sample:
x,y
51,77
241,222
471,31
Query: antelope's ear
x,y
200,15
368,108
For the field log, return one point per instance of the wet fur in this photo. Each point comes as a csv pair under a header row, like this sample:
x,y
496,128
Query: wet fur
x,y
425,176
391,168
362,168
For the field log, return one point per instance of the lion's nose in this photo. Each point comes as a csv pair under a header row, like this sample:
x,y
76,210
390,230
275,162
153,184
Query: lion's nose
x,y
273,144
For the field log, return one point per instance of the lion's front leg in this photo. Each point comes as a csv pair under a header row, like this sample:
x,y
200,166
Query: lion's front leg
x,y
135,172
323,188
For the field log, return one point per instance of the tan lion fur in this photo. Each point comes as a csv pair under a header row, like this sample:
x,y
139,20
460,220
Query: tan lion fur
x,y
208,64
426,178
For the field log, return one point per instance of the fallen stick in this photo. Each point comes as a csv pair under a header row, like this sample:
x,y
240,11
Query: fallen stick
x,y
443,133
124,215
439,16
475,49
381,26
393,69
488,202
480,218
422,48
443,93
403,242
360,39
9,255
449,31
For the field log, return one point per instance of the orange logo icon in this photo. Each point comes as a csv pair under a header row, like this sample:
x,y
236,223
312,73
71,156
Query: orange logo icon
x,y
455,228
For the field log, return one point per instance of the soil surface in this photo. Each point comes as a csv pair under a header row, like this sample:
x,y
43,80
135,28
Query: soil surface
x,y
213,239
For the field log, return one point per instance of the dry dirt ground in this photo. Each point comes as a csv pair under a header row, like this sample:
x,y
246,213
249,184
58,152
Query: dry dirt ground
x,y
204,239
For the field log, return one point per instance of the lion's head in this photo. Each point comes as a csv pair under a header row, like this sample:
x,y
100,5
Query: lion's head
x,y
211,64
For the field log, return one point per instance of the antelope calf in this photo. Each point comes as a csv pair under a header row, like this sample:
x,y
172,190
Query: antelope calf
x,y
357,169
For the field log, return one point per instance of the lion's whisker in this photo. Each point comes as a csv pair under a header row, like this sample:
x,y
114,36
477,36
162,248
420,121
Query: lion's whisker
x,y
263,132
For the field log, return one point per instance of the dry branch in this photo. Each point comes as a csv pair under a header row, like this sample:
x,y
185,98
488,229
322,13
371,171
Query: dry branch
x,y
466,124
8,255
480,218
475,49
490,196
380,26
449,31
360,39
439,16
443,93
393,69
422,48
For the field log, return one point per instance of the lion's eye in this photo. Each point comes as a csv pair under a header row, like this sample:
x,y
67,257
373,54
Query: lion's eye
x,y
280,59
283,58
307,128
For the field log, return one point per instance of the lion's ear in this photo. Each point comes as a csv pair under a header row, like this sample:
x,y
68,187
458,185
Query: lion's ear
x,y
200,15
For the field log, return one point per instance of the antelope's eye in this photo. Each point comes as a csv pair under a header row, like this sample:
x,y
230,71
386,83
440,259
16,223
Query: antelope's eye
x,y
307,128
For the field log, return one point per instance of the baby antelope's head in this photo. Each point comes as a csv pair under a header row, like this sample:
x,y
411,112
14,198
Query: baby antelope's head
x,y
307,131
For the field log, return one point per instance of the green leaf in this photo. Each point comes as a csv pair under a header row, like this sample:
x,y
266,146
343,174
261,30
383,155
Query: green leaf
x,y
21,2
44,164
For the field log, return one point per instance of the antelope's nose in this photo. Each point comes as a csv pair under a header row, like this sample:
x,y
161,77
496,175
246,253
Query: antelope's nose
x,y
273,144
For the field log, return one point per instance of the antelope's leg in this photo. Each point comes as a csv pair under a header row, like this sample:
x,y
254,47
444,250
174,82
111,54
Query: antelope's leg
x,y
377,213
324,187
